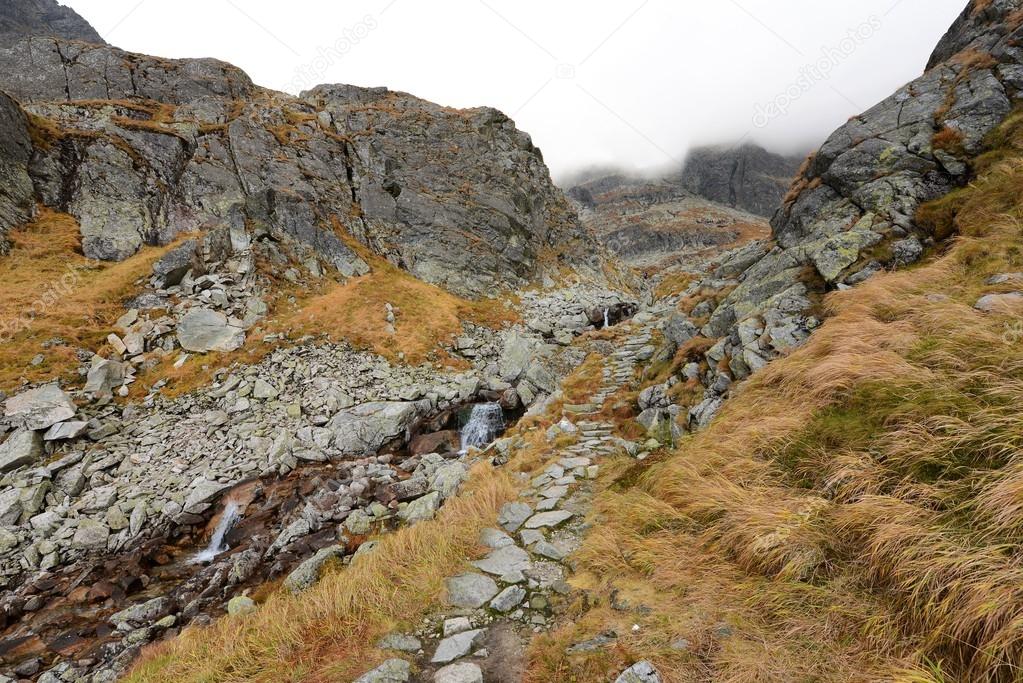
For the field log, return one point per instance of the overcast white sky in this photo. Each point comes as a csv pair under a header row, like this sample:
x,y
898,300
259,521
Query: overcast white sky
x,y
631,83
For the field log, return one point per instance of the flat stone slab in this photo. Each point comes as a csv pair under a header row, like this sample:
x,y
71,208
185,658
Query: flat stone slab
x,y
512,515
504,561
40,408
457,646
545,549
640,672
470,590
391,671
555,492
202,330
508,599
463,672
23,447
495,538
65,431
548,519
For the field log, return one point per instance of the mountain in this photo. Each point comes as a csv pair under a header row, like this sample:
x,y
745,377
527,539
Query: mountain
x,y
43,18
140,150
653,222
746,177
342,387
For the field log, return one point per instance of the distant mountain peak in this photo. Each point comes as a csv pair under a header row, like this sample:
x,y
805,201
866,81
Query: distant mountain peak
x,y
23,18
744,176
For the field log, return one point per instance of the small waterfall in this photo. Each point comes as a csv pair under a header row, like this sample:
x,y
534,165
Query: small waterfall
x,y
217,545
486,421
606,323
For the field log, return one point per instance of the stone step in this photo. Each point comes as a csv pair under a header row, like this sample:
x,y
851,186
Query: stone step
x,y
580,408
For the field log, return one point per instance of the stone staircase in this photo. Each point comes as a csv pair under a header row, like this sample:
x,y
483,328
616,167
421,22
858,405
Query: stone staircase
x,y
511,589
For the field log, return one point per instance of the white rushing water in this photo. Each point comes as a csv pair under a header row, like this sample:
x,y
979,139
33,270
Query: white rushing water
x,y
486,422
606,324
217,544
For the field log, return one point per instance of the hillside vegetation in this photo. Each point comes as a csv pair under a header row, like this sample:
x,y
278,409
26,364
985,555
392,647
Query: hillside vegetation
x,y
856,511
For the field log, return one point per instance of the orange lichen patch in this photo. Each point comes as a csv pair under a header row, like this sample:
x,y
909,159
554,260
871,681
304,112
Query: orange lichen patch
x,y
51,291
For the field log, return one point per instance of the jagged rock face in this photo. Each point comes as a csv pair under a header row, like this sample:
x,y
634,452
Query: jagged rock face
x,y
746,177
20,18
142,149
851,210
444,191
16,193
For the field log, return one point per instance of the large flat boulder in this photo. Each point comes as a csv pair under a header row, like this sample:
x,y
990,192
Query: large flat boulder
x,y
365,428
40,408
23,447
202,330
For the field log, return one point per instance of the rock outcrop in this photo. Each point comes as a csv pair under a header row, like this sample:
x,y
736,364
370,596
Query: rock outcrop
x,y
141,149
21,18
746,177
851,211
16,191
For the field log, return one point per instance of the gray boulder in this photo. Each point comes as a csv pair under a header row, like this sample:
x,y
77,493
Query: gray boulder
x,y
471,591
305,575
91,535
391,671
104,376
463,672
202,330
171,269
366,427
640,672
457,646
21,448
40,408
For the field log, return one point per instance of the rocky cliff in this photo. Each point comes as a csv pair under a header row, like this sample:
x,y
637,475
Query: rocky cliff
x,y
140,149
20,18
851,211
746,177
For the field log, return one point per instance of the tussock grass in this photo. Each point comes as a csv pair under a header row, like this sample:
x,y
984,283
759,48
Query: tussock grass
x,y
328,633
51,290
427,318
856,511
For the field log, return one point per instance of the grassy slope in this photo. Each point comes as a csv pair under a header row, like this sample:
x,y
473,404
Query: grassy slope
x,y
856,512
50,290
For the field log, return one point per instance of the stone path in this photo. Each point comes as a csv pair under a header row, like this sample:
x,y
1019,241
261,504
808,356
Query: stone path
x,y
514,588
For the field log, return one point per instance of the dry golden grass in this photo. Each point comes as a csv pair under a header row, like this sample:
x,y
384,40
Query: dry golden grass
x,y
673,284
52,291
426,318
854,513
328,634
